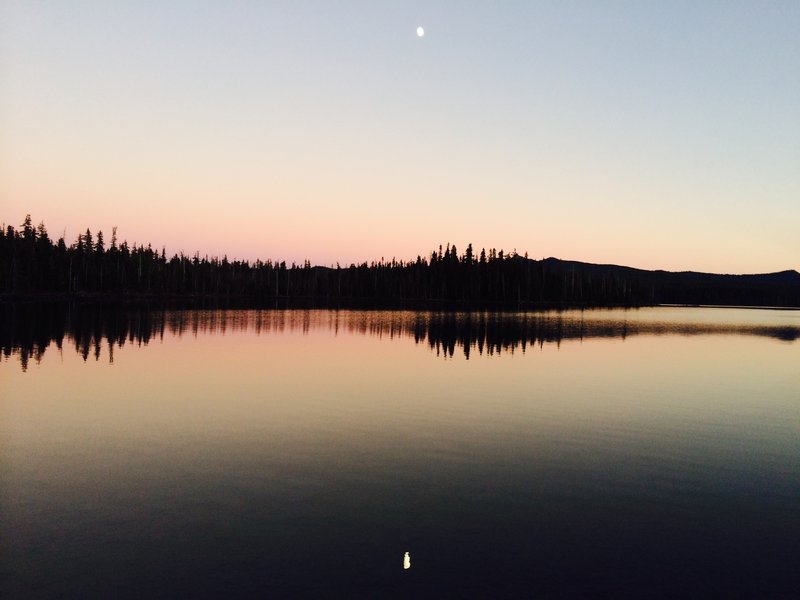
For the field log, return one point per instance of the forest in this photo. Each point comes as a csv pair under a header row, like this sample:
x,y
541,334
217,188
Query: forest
x,y
33,265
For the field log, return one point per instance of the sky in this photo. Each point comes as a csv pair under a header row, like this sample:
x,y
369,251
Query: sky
x,y
657,135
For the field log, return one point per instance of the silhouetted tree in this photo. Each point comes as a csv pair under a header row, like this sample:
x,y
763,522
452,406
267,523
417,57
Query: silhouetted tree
x,y
31,263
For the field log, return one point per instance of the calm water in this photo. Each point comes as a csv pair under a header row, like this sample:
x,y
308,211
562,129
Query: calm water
x,y
653,452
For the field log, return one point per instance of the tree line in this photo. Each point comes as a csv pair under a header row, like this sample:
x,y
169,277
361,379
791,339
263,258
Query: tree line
x,y
34,264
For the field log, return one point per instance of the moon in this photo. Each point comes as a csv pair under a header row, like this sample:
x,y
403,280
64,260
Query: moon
x,y
420,31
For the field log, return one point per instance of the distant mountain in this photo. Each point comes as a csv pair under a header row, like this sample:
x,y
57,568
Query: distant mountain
x,y
692,287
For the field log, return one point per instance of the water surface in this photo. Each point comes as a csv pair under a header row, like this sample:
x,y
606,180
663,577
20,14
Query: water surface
x,y
650,452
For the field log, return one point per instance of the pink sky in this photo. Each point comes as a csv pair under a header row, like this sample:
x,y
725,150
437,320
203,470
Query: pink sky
x,y
339,135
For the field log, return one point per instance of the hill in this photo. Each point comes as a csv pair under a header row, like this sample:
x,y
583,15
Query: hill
x,y
692,287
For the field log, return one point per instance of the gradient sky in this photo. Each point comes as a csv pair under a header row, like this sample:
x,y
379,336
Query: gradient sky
x,y
658,135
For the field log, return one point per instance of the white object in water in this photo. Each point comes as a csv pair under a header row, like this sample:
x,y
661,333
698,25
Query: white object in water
x,y
407,560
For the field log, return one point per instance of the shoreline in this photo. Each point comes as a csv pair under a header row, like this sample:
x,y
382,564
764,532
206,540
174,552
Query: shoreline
x,y
211,302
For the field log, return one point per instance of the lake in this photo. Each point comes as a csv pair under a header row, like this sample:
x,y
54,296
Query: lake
x,y
648,452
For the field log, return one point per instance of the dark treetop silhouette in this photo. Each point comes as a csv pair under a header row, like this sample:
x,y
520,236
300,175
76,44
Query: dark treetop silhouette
x,y
34,265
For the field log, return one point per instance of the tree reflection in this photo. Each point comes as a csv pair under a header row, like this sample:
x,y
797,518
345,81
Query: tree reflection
x,y
28,330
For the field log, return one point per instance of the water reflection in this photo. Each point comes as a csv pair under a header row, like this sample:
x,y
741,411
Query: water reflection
x,y
28,331
293,453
